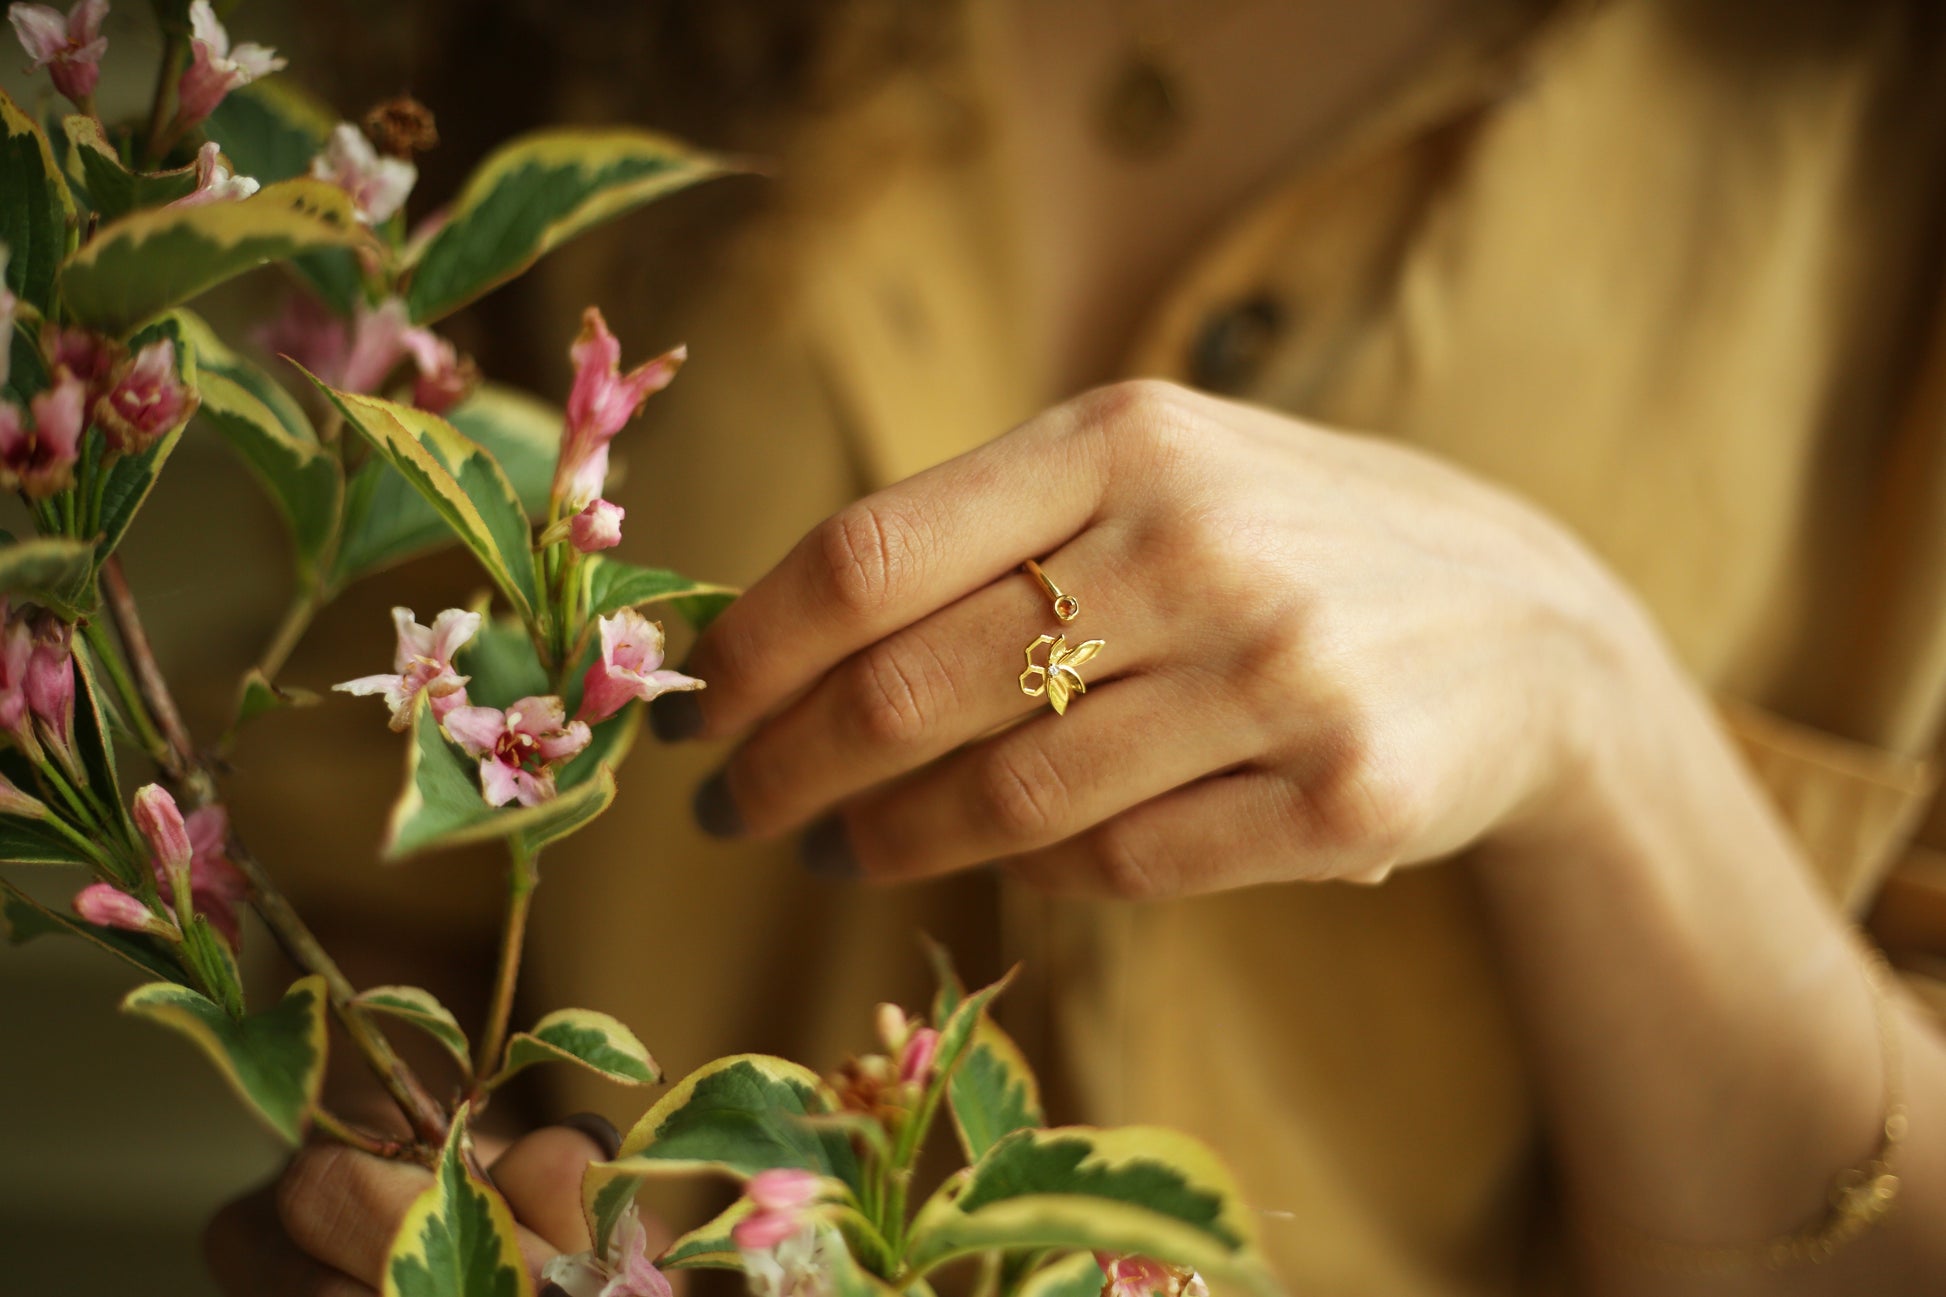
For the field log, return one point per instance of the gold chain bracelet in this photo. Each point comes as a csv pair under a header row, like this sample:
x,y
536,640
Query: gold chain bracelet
x,y
1861,1196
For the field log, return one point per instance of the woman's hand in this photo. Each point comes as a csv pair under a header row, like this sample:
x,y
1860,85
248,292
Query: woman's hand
x,y
323,1227
1325,656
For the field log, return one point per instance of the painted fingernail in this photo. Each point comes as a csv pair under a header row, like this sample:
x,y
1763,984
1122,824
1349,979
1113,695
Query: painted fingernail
x,y
599,1129
825,850
716,809
675,717
555,1290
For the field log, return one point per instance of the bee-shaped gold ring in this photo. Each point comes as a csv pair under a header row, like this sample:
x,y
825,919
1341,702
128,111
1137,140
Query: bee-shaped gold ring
x,y
1059,677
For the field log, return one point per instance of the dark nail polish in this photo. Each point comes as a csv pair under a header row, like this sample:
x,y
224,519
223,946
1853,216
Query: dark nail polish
x,y
675,717
716,810
826,850
554,1290
599,1129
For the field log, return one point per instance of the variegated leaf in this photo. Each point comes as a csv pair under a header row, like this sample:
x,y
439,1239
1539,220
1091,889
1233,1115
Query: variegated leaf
x,y
584,1037
1142,1190
1075,1275
739,1115
56,572
422,1010
536,192
462,482
152,260
458,1239
273,1060
112,190
612,586
22,918
37,213
993,1093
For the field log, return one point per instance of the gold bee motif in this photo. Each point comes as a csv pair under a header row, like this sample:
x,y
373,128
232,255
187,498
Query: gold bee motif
x,y
1059,679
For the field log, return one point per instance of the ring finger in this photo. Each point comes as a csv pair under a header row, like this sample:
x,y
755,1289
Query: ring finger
x,y
926,690
1053,777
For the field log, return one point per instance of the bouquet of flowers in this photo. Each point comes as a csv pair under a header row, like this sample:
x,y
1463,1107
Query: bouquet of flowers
x,y
378,441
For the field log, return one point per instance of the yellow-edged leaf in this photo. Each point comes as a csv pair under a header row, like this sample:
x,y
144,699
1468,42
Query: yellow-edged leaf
x,y
424,1011
36,210
458,1239
595,1041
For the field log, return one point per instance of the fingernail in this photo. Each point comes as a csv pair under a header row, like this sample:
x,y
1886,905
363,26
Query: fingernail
x,y
676,716
716,810
598,1128
825,850
555,1290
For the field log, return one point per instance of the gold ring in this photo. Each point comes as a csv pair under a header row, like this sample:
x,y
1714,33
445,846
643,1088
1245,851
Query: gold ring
x,y
1059,677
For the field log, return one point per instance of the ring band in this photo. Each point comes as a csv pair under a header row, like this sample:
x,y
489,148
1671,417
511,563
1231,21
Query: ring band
x,y
1058,678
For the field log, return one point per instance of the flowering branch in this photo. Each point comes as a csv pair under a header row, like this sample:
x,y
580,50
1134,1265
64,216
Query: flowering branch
x,y
427,1118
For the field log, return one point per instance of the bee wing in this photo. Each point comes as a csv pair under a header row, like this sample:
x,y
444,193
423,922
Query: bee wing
x,y
1081,653
1057,692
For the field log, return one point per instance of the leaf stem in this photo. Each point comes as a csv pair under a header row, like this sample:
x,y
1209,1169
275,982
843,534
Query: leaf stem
x,y
523,876
332,1126
168,73
290,631
178,756
131,701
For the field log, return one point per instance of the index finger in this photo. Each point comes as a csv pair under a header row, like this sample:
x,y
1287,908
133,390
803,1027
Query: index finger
x,y
884,562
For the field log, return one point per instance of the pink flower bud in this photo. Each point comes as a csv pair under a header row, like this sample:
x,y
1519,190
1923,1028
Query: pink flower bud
x,y
629,668
445,377
161,823
761,1231
69,48
215,69
600,403
50,677
214,181
893,1027
15,802
110,907
16,656
599,526
915,1063
146,401
782,1189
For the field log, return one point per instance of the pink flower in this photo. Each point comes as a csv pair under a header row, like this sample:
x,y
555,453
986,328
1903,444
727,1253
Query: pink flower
x,y
146,400
916,1060
378,186
780,1197
88,356
216,886
108,906
599,526
1140,1276
69,48
214,183
630,667
355,359
445,378
161,825
215,69
519,747
40,459
422,662
600,403
797,1265
627,1273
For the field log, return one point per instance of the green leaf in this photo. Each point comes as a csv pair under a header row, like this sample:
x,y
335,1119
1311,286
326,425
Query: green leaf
x,y
533,194
94,739
582,1036
386,521
1075,1275
699,610
273,1060
462,482
458,1239
131,477
112,190
501,665
951,989
56,572
1143,1190
739,1115
256,696
708,1246
149,261
22,919
37,212
612,586
422,1010
993,1093
34,842
442,805
27,374
302,477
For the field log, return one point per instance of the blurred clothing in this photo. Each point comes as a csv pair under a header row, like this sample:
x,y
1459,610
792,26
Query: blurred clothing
x,y
1671,270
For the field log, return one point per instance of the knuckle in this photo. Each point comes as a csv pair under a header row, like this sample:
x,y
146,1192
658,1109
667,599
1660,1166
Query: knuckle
x,y
1125,864
1020,794
1149,415
1361,804
870,552
897,691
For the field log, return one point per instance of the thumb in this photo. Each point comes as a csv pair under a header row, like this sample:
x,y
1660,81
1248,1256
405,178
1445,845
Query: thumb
x,y
540,1176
